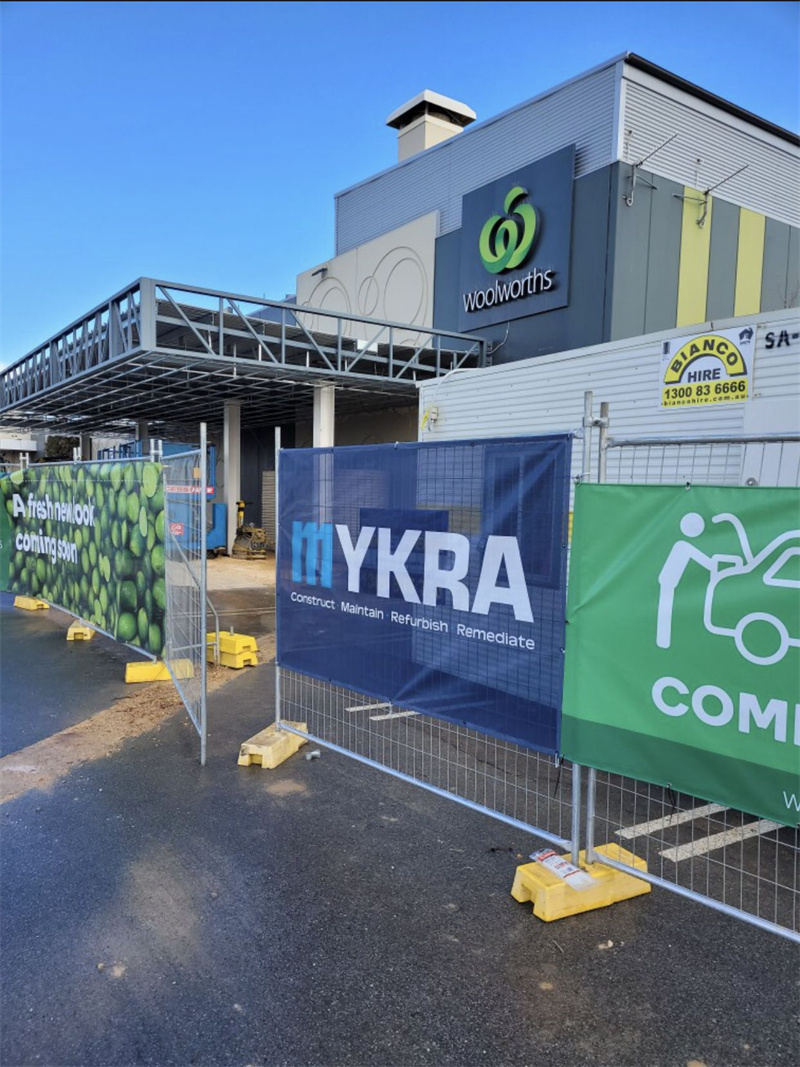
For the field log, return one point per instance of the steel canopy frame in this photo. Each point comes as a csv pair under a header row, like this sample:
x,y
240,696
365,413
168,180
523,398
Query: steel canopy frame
x,y
172,353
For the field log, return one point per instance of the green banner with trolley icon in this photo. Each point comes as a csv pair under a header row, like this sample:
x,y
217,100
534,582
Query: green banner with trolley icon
x,y
89,537
683,641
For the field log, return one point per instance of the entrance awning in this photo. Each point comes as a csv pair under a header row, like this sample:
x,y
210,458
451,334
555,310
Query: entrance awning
x,y
173,354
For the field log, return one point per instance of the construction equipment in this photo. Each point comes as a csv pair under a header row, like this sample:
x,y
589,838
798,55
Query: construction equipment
x,y
251,541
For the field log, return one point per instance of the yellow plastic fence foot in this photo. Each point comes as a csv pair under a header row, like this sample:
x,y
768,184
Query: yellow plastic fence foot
x,y
233,643
150,671
271,747
146,671
235,650
30,603
79,631
553,898
242,659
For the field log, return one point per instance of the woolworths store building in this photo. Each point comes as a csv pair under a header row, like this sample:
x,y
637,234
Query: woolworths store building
x,y
583,239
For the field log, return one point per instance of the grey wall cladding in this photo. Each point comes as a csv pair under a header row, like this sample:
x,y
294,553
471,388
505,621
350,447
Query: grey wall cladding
x,y
793,270
435,180
780,282
709,147
646,247
722,260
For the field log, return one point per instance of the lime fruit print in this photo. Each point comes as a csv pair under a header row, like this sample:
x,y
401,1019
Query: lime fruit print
x,y
89,538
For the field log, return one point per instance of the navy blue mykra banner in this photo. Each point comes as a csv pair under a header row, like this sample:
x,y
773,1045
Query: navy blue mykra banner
x,y
431,576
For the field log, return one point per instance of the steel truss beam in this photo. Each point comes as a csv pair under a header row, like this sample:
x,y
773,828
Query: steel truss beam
x,y
173,354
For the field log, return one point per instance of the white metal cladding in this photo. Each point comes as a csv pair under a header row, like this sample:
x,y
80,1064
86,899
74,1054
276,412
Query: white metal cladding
x,y
580,112
723,143
546,394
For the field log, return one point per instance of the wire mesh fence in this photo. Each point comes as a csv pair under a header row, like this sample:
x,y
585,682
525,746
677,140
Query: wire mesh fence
x,y
515,784
185,651
737,862
729,859
768,461
469,485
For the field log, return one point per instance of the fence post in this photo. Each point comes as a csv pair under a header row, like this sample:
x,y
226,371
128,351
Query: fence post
x,y
588,423
591,779
586,463
575,832
203,591
277,576
603,424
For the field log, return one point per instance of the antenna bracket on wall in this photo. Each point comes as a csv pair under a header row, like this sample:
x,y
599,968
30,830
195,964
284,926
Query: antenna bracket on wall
x,y
703,199
635,170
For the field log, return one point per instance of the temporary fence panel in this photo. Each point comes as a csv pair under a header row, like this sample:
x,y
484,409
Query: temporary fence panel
x,y
736,849
185,653
99,540
420,626
89,538
682,663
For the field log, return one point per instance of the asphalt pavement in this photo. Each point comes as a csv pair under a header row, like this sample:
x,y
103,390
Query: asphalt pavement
x,y
48,683
155,912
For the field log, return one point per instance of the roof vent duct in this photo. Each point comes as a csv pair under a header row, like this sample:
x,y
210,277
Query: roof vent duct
x,y
426,120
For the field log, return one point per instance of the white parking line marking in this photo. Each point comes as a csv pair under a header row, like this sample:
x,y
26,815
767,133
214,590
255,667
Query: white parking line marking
x,y
727,837
367,707
393,715
675,819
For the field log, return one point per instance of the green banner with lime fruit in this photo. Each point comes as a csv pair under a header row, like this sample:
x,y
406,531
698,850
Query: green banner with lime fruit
x,y
683,641
89,537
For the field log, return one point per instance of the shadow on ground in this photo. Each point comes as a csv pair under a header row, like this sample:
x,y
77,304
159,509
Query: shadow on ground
x,y
154,912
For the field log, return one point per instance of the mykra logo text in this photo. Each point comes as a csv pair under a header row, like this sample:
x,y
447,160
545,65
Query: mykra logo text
x,y
446,564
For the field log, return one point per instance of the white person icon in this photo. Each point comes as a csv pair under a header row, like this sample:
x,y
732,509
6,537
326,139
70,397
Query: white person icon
x,y
764,579
680,556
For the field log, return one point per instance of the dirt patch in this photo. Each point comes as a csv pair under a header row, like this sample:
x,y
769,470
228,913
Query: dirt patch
x,y
41,765
286,787
225,573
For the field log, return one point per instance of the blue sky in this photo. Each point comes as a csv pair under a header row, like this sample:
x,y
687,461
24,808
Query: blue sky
x,y
203,142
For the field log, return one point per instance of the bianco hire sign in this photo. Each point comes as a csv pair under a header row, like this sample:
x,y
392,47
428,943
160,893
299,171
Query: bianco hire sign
x,y
707,368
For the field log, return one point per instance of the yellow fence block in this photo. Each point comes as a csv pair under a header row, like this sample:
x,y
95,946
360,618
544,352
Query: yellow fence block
x,y
271,747
553,898
147,671
236,661
156,671
233,644
30,603
79,631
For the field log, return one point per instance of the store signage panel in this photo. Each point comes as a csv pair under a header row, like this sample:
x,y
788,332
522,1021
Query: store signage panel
x,y
707,368
515,243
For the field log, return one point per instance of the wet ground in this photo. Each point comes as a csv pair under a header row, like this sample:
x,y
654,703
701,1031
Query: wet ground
x,y
154,912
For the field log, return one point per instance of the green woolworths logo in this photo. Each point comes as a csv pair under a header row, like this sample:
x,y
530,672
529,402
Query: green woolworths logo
x,y
501,245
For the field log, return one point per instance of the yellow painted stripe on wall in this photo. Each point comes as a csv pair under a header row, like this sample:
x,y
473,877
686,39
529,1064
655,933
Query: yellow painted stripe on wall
x,y
695,253
749,262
